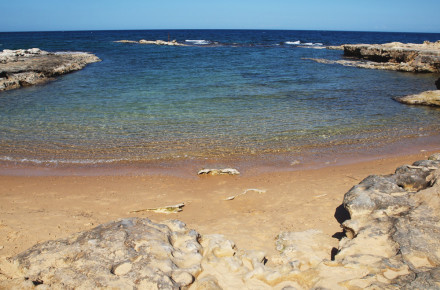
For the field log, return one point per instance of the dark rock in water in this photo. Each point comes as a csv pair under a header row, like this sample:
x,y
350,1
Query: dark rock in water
x,y
437,83
19,68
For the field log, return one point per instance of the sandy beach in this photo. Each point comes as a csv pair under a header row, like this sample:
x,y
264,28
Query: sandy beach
x,y
34,209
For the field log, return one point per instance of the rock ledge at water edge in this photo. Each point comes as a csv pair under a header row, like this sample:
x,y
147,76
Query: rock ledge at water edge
x,y
21,68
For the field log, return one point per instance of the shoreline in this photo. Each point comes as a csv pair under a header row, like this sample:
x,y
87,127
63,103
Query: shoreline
x,y
40,208
248,165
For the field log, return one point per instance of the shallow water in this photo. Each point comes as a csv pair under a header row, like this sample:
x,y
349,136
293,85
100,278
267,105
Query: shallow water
x,y
231,94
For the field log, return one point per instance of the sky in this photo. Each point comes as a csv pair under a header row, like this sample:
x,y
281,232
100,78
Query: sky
x,y
346,15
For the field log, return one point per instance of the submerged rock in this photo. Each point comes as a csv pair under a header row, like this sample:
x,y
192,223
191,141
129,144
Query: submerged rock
x,y
428,98
19,68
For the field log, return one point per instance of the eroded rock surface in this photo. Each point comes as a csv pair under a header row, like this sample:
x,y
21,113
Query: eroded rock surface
x,y
392,242
129,253
19,68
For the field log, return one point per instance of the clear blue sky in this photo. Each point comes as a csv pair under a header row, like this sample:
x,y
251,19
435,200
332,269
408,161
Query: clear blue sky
x,y
373,15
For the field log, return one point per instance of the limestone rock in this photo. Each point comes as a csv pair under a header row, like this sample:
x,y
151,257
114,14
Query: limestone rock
x,y
396,56
154,42
304,250
19,68
416,57
428,98
123,254
395,227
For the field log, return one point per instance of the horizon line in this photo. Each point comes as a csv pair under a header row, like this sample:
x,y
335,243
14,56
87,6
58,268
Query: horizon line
x,y
254,29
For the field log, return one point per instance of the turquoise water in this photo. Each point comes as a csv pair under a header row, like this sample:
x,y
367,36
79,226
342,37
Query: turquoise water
x,y
237,94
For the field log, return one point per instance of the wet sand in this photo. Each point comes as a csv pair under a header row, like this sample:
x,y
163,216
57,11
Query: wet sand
x,y
38,208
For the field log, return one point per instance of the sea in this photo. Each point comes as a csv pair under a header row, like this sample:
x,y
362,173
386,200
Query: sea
x,y
236,98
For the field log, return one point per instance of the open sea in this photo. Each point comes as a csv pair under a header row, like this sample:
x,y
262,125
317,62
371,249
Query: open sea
x,y
232,98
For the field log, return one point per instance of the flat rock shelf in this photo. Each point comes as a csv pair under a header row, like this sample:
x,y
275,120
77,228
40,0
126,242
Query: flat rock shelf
x,y
26,67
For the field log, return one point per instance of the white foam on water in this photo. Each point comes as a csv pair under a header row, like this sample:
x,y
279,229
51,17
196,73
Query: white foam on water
x,y
317,45
293,42
198,41
60,161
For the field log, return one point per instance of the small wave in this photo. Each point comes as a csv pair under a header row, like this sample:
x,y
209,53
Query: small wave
x,y
60,161
293,42
198,41
305,44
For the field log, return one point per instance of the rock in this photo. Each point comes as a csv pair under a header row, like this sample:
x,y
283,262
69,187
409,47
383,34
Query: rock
x,y
182,278
396,56
304,250
226,171
206,283
335,47
154,42
437,83
122,269
404,56
428,98
121,254
434,157
127,41
395,234
19,68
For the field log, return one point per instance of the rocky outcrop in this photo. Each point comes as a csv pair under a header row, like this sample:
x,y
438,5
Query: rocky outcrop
x,y
19,68
407,57
428,98
154,42
399,56
392,241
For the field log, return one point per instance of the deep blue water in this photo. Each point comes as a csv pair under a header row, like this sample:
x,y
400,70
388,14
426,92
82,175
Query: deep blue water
x,y
247,93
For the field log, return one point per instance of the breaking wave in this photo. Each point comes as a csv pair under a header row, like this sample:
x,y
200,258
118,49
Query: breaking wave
x,y
316,45
198,41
